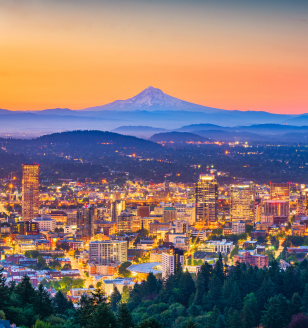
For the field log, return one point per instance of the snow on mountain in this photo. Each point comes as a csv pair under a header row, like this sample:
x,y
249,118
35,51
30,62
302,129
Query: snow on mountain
x,y
152,99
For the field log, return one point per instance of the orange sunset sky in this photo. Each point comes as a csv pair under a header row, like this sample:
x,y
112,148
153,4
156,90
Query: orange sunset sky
x,y
245,55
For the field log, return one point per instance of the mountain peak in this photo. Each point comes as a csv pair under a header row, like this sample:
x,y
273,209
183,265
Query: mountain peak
x,y
152,99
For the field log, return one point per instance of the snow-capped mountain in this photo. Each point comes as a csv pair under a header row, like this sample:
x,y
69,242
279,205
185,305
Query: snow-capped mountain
x,y
152,99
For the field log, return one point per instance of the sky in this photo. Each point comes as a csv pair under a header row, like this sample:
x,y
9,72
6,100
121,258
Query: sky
x,y
235,54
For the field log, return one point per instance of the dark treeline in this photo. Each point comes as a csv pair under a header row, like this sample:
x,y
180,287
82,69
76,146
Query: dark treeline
x,y
220,297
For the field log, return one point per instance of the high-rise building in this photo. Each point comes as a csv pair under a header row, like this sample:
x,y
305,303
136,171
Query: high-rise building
x,y
302,203
107,252
242,203
116,208
172,260
124,222
30,191
206,199
86,217
280,191
277,208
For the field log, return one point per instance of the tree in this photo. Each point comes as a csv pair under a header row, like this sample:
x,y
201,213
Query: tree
x,y
234,251
276,314
219,269
32,254
220,323
213,318
41,262
26,291
250,311
233,319
2,315
102,317
125,294
299,321
235,300
125,319
187,287
43,304
214,296
150,286
202,283
61,304
55,265
305,299
122,270
67,266
4,291
296,304
65,246
150,323
115,298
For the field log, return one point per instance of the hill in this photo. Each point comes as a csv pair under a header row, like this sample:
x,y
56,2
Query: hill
x,y
139,131
95,138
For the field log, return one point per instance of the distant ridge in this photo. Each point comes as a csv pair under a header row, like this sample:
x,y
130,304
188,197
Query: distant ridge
x,y
177,137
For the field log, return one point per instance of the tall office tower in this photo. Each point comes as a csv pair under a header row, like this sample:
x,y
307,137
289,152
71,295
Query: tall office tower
x,y
86,217
107,252
242,203
277,208
116,208
124,222
171,261
143,211
302,203
280,191
206,199
30,191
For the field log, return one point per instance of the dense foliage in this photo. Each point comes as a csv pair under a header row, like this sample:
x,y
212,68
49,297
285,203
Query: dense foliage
x,y
239,296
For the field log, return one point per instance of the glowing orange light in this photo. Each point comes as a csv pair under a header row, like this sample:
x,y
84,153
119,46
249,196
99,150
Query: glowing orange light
x,y
226,152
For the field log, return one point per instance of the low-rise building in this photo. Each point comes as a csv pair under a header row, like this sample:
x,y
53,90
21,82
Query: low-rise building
x,y
260,261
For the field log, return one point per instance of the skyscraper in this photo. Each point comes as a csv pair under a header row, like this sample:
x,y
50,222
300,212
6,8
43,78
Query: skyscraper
x,y
116,208
86,217
30,191
206,199
280,192
242,202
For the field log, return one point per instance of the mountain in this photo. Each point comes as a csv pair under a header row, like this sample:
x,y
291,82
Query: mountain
x,y
58,111
153,99
177,137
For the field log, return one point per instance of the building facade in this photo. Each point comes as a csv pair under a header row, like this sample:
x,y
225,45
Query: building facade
x,y
171,261
206,199
242,202
30,191
107,252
